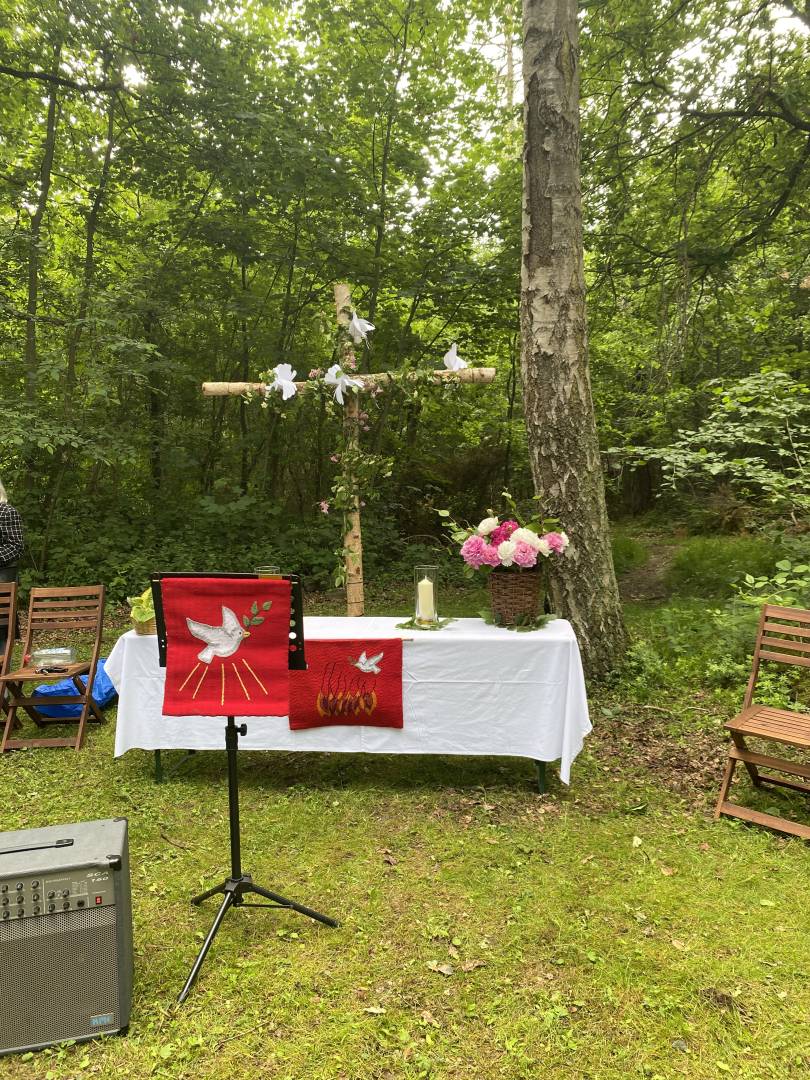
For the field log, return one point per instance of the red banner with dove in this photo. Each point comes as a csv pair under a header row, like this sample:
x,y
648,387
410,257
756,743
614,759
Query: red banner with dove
x,y
227,646
348,683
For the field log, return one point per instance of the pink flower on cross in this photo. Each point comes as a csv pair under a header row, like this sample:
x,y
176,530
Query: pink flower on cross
x,y
324,506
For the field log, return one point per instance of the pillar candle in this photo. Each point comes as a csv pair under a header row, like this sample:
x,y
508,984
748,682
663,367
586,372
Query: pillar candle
x,y
427,608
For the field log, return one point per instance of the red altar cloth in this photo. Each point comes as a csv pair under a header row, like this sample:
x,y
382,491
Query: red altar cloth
x,y
348,682
227,646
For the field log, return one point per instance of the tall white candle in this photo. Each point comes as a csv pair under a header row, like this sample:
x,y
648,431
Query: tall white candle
x,y
427,607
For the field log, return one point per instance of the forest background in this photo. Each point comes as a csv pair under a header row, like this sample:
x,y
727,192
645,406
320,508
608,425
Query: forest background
x,y
182,183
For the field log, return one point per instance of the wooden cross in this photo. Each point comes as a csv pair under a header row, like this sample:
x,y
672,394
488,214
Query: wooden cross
x,y
353,540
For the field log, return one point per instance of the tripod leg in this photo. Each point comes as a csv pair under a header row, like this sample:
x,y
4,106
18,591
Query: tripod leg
x,y
198,963
282,901
208,892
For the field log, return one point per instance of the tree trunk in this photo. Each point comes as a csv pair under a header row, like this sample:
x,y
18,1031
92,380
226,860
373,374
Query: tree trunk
x,y
35,237
560,421
352,537
88,272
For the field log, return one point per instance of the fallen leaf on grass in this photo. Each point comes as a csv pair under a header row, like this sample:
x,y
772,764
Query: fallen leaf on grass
x,y
440,969
667,871
388,857
471,965
453,951
637,841
375,1010
679,945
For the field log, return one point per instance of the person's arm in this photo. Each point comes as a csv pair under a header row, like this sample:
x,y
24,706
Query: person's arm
x,y
11,535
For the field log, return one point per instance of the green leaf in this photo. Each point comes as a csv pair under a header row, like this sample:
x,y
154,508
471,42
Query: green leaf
x,y
267,605
245,621
257,620
254,607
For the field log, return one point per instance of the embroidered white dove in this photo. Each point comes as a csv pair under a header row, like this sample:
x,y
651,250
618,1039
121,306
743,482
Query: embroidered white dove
x,y
219,640
284,381
452,361
338,378
368,664
359,329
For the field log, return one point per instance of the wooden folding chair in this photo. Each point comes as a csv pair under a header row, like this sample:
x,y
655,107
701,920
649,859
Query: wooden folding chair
x,y
75,610
8,627
783,637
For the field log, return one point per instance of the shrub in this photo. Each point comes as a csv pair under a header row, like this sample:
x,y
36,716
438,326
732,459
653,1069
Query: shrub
x,y
628,552
709,566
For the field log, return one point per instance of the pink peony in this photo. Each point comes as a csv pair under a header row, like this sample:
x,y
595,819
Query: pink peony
x,y
525,555
472,551
491,556
503,532
556,541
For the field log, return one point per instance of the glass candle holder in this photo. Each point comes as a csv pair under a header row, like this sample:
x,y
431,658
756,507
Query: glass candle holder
x,y
267,571
426,580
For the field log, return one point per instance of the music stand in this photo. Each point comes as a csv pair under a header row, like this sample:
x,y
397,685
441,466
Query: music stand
x,y
235,887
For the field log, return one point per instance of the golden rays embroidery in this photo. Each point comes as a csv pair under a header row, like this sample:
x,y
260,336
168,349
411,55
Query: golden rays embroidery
x,y
236,672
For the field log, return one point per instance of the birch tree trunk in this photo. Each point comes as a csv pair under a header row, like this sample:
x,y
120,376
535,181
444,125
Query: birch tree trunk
x,y
560,421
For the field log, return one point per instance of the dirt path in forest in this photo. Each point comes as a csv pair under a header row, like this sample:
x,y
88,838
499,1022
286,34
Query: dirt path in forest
x,y
646,582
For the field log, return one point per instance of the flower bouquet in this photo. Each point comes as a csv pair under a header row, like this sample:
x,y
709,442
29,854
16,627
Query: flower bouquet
x,y
515,554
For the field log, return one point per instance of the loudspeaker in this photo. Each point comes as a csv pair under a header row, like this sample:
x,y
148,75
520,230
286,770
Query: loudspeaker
x,y
65,934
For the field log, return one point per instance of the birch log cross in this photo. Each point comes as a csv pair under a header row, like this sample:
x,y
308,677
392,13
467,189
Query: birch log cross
x,y
353,540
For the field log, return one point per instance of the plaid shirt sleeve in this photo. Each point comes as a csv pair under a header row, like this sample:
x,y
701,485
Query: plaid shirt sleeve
x,y
11,535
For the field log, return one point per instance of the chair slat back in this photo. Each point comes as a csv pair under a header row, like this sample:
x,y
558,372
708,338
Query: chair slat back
x,y
75,608
784,637
8,620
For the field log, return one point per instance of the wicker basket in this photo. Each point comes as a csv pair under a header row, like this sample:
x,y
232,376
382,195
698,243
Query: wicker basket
x,y
515,595
145,628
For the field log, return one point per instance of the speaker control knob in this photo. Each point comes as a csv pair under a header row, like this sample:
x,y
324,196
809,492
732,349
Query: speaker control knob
x,y
3,888
5,914
35,896
51,907
20,899
66,906
51,894
34,884
36,910
20,913
65,892
19,886
5,901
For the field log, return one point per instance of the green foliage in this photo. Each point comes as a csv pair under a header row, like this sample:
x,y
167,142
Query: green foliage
x,y
628,551
788,586
755,439
142,608
708,566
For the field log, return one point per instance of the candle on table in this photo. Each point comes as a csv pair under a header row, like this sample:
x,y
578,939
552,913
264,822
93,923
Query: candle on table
x,y
427,609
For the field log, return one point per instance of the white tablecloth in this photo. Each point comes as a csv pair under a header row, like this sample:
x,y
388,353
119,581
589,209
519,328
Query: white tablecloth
x,y
469,688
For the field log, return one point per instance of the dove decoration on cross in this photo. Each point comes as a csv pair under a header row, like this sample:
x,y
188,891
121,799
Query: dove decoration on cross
x,y
352,330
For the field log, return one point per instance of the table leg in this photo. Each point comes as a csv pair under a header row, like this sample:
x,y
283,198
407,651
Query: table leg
x,y
158,768
541,777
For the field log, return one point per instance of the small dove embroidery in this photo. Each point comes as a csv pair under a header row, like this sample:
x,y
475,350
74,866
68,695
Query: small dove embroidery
x,y
368,664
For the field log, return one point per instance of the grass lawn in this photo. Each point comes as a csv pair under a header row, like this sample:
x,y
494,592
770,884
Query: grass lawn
x,y
606,930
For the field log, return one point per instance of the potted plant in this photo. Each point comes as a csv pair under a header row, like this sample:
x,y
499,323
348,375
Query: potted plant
x,y
513,555
142,612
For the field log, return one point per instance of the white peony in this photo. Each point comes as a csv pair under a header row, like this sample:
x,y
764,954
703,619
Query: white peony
x,y
487,526
565,540
528,537
543,546
506,552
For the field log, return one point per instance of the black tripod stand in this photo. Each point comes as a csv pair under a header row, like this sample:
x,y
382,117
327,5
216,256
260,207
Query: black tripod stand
x,y
235,887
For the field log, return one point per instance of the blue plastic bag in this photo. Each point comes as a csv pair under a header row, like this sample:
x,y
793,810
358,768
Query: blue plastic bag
x,y
103,693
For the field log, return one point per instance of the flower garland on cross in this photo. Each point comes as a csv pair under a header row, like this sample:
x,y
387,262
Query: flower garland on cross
x,y
346,388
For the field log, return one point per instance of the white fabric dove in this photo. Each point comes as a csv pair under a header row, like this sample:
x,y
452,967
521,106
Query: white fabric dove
x,y
219,640
336,377
369,664
284,381
359,328
452,361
